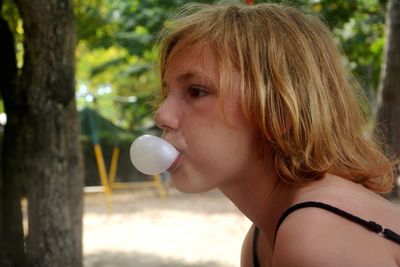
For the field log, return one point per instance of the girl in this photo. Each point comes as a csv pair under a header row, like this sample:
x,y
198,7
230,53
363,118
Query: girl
x,y
257,102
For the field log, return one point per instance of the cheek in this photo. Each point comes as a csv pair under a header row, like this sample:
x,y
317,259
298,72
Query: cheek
x,y
220,145
223,152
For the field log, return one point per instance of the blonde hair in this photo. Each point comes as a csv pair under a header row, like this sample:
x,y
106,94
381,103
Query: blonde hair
x,y
294,89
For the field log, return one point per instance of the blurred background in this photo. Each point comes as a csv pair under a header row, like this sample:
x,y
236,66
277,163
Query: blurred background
x,y
78,83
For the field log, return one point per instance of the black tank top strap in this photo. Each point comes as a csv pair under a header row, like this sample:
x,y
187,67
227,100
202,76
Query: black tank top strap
x,y
256,263
370,225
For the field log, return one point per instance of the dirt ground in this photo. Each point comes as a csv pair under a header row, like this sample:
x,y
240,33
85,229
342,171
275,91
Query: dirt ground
x,y
143,230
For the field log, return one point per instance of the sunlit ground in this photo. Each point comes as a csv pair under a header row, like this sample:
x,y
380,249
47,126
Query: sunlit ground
x,y
145,231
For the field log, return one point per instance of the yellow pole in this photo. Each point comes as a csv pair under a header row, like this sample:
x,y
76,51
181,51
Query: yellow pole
x,y
103,175
159,186
113,167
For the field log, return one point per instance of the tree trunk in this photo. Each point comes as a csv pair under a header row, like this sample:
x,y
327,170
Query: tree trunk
x,y
12,251
388,119
52,160
388,115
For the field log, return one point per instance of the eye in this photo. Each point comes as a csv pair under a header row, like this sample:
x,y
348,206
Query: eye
x,y
196,91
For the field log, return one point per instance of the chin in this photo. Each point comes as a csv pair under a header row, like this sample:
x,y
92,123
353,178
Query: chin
x,y
190,186
191,190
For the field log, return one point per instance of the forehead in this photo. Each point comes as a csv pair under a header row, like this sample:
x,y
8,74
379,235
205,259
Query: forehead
x,y
188,60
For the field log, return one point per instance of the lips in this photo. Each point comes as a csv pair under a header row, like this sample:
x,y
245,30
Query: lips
x,y
175,165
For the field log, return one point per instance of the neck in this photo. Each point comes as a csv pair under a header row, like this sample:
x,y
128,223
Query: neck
x,y
262,198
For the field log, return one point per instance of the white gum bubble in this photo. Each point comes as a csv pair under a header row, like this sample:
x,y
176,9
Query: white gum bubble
x,y
152,155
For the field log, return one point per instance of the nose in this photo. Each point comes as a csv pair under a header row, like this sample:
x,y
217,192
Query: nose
x,y
167,115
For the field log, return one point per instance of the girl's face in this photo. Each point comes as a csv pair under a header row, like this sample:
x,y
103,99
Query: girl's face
x,y
215,149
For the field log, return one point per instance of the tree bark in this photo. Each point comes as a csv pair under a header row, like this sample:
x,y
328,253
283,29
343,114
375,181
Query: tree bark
x,y
52,161
12,252
388,114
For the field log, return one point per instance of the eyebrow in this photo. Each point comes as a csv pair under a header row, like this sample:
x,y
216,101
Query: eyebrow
x,y
188,75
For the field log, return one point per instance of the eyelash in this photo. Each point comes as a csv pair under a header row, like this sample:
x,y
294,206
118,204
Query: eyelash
x,y
197,91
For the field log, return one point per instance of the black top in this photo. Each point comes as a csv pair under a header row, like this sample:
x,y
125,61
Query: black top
x,y
370,225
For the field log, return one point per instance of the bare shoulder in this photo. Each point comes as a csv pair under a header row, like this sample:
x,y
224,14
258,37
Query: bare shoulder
x,y
313,237
316,237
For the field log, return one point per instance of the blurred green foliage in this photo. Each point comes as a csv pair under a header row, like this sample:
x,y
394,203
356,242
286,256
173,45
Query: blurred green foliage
x,y
115,49
115,58
10,13
117,37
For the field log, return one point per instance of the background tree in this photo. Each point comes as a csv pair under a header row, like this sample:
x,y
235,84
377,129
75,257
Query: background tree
x,y
388,114
51,162
44,149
